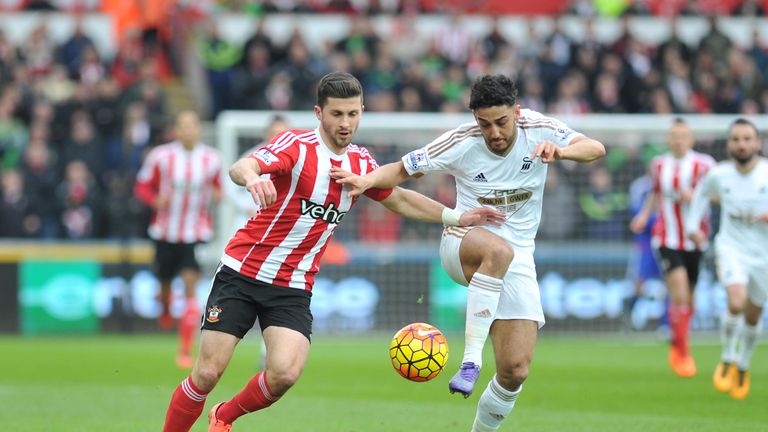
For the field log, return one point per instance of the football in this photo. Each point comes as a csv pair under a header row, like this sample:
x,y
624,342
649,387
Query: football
x,y
419,352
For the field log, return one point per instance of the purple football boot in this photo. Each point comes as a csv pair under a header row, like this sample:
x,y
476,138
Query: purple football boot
x,y
465,379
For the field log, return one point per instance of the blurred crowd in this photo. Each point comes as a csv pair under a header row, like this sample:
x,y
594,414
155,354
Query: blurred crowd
x,y
75,125
73,130
372,7
556,74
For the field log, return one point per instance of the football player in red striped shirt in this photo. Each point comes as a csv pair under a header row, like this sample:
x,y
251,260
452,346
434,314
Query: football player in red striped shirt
x,y
675,175
179,181
268,267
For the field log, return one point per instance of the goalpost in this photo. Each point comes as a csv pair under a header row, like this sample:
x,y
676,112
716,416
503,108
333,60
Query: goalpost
x,y
582,274
411,130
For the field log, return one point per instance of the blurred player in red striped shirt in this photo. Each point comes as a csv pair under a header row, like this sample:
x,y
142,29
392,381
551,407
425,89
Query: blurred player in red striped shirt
x,y
269,266
674,177
179,181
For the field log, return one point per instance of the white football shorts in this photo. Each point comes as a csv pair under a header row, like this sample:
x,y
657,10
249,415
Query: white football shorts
x,y
520,298
736,267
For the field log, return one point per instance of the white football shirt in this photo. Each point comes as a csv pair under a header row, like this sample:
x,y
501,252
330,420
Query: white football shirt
x,y
513,184
742,198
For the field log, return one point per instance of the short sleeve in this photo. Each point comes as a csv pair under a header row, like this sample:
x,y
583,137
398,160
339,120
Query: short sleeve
x,y
654,172
557,132
215,169
279,156
148,171
442,153
710,162
375,194
700,201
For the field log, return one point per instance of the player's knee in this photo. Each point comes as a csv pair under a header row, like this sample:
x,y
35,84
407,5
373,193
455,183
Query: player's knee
x,y
735,308
499,255
206,377
736,302
513,375
281,380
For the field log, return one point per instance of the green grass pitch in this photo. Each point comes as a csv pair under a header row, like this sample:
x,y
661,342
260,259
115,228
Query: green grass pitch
x,y
578,383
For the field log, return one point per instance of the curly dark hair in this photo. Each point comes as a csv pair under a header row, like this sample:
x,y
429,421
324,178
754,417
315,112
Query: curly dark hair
x,y
338,85
492,90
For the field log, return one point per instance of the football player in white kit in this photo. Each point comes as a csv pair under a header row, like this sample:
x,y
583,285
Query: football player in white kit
x,y
500,161
741,250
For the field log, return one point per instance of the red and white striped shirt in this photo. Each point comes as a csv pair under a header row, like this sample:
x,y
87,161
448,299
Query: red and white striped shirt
x,y
188,178
283,244
671,176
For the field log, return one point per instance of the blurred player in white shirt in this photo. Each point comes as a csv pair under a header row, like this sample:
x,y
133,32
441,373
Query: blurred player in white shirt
x,y
238,195
243,201
741,250
500,162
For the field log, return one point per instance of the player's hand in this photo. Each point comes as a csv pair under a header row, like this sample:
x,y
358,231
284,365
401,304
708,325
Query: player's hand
x,y
161,202
482,216
216,195
686,196
761,218
638,223
356,184
263,191
697,238
547,150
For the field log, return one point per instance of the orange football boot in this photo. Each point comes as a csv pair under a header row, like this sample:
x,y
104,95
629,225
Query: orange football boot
x,y
184,361
683,365
740,389
724,376
216,425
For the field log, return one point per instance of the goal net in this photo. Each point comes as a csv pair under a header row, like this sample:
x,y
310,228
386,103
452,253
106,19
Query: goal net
x,y
384,271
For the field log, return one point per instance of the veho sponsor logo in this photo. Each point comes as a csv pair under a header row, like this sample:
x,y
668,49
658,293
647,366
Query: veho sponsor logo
x,y
326,214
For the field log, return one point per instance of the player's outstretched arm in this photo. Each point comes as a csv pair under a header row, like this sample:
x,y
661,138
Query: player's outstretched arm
x,y
246,172
581,149
414,205
701,196
384,177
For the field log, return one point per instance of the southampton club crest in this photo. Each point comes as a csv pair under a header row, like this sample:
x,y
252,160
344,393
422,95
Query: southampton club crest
x,y
213,314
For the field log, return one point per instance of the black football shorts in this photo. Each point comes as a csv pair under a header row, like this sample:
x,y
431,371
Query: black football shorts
x,y
236,301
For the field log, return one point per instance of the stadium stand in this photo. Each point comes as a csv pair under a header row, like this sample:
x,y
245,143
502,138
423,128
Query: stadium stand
x,y
65,98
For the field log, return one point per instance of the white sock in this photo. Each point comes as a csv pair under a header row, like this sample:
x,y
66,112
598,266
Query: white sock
x,y
494,406
730,329
482,300
749,336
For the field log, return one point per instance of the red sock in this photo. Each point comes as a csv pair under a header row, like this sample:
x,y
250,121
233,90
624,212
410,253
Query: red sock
x,y
188,326
255,396
679,320
186,405
687,315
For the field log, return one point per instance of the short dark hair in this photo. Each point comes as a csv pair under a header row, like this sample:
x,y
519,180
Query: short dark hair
x,y
338,85
743,121
492,90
